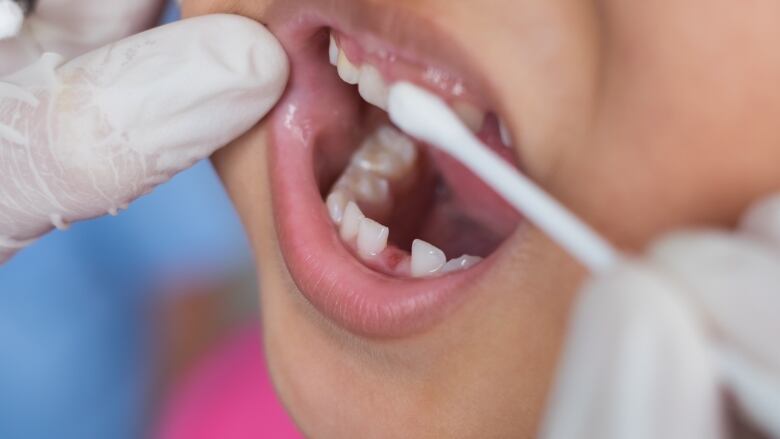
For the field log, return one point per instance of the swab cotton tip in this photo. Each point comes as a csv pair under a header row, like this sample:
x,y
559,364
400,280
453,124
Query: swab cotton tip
x,y
427,117
11,19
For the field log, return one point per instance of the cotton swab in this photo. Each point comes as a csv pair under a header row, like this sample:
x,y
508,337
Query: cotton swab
x,y
427,117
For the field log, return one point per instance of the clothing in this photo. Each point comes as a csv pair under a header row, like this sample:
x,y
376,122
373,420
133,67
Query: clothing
x,y
228,395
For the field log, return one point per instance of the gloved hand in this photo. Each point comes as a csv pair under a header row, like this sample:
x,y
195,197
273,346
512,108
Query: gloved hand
x,y
658,346
83,138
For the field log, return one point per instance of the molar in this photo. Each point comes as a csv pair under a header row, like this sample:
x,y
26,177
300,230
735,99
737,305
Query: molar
x,y
391,161
371,238
399,143
371,190
374,157
473,117
427,259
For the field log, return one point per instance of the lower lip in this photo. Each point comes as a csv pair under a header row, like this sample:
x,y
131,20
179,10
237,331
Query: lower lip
x,y
339,286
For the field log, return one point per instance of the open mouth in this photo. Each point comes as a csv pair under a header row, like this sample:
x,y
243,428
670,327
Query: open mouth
x,y
381,233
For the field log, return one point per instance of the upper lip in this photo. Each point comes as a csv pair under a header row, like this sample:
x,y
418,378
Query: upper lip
x,y
337,284
420,39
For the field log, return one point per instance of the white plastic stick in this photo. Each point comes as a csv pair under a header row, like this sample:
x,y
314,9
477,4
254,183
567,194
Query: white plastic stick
x,y
428,118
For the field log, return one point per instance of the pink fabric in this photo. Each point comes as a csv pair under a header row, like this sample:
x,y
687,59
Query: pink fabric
x,y
229,396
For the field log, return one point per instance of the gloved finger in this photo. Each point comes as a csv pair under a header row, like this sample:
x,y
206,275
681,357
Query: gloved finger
x,y
84,139
763,221
636,364
735,280
755,388
72,28
11,17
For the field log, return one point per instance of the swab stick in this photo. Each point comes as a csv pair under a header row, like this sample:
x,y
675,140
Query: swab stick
x,y
427,117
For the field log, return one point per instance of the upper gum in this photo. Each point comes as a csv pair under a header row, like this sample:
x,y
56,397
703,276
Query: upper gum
x,y
395,69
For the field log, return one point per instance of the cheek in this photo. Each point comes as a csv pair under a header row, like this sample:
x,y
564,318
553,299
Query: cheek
x,y
675,113
192,8
542,61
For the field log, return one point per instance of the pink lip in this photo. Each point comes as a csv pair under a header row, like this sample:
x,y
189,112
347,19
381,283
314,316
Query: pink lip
x,y
340,287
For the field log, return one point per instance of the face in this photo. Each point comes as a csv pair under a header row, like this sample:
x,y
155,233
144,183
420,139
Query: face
x,y
638,116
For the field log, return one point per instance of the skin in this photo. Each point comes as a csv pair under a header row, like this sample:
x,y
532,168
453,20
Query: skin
x,y
640,116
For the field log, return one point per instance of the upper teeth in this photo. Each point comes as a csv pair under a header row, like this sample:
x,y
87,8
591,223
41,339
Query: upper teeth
x,y
371,85
333,51
472,116
348,72
374,89
506,136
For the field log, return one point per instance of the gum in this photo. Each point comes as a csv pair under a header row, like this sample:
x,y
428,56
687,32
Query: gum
x,y
395,68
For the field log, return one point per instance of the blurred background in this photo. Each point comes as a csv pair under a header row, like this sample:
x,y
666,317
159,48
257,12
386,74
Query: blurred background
x,y
129,327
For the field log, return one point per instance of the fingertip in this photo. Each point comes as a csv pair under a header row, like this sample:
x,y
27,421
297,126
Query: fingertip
x,y
11,19
248,48
763,221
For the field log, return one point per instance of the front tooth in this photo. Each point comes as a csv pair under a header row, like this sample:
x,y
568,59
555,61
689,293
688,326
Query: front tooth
x,y
506,136
333,51
348,72
350,223
462,263
336,203
372,87
371,238
427,259
472,116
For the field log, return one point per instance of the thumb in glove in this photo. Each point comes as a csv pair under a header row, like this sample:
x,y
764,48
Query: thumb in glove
x,y
82,139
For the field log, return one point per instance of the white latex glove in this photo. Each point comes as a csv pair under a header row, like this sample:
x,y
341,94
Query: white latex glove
x,y
656,345
83,138
72,28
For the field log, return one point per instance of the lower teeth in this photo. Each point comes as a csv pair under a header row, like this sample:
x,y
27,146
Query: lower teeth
x,y
379,171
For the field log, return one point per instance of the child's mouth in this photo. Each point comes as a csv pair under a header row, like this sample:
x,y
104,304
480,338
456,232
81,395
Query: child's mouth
x,y
439,217
380,233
